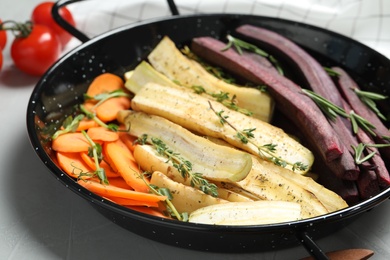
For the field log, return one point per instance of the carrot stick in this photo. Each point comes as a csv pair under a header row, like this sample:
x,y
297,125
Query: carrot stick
x,y
120,183
104,83
71,142
125,163
130,202
91,164
102,134
73,164
112,191
128,140
108,110
149,211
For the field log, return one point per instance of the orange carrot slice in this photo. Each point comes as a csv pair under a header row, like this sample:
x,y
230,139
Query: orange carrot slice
x,y
85,124
104,83
71,142
149,211
108,110
120,183
102,134
130,202
128,140
124,162
91,164
112,191
73,164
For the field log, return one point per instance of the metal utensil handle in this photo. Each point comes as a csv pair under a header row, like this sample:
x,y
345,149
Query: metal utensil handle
x,y
55,12
311,247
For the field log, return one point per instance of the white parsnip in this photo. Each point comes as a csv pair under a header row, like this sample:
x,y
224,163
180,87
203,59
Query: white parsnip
x,y
168,60
193,112
247,213
185,198
213,161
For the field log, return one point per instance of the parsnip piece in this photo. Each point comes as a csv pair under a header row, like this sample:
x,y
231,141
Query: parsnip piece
x,y
149,160
168,60
193,112
247,213
268,185
328,198
185,198
214,162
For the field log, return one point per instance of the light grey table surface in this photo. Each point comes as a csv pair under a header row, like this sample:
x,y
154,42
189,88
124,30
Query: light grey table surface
x,y
41,219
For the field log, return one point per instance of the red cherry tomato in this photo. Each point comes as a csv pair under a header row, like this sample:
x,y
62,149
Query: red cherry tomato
x,y
42,15
1,59
35,53
3,38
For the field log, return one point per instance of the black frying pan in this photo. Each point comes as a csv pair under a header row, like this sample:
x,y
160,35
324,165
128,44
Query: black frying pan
x,y
121,49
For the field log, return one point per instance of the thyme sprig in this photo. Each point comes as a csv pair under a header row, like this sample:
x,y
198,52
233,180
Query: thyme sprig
x,y
369,99
95,151
69,125
332,111
91,115
181,164
266,151
239,45
223,98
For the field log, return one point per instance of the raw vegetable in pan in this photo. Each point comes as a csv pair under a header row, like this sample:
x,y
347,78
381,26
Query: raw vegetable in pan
x,y
175,141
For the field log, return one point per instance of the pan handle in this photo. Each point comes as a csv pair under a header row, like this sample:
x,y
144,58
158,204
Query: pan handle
x,y
311,247
55,12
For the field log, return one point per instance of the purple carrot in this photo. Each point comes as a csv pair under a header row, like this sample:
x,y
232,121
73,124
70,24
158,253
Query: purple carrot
x,y
367,184
347,85
291,101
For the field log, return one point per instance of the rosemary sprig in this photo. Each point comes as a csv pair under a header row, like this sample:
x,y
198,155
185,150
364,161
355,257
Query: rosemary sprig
x,y
369,99
223,98
331,72
90,115
332,111
240,44
361,147
181,164
95,151
266,151
105,96
70,124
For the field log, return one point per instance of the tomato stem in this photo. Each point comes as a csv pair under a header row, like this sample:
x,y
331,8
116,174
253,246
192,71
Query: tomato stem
x,y
20,30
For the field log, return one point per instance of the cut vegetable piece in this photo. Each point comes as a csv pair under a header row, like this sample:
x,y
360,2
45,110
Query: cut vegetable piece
x,y
104,83
102,134
168,60
73,164
85,124
112,191
124,162
130,202
185,198
91,164
193,112
128,140
213,161
108,110
71,142
247,213
268,185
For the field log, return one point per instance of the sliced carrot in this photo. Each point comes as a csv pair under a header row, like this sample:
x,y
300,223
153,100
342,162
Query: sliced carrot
x,y
112,191
124,162
130,202
91,164
128,140
120,183
104,83
108,110
73,164
71,142
102,134
85,124
149,211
